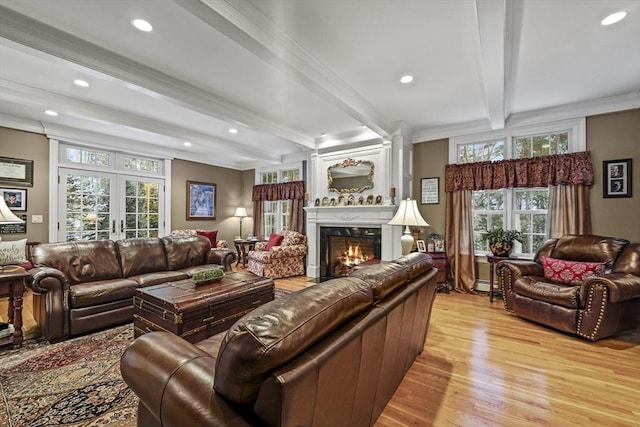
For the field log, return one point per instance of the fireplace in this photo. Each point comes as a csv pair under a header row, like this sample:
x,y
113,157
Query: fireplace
x,y
342,248
367,223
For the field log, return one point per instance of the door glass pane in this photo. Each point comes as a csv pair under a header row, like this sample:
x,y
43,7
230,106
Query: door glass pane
x,y
87,214
142,203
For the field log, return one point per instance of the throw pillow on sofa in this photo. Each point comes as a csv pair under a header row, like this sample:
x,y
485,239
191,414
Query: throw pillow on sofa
x,y
211,235
14,253
570,272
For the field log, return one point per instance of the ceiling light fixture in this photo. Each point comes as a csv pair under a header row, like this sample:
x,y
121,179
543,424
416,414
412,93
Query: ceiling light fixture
x,y
51,113
142,25
81,83
233,131
408,78
613,18
187,144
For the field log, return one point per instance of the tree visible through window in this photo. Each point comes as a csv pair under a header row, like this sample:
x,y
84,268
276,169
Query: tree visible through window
x,y
276,213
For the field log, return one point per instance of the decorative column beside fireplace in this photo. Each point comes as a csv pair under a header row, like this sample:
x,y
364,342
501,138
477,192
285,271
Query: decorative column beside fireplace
x,y
349,216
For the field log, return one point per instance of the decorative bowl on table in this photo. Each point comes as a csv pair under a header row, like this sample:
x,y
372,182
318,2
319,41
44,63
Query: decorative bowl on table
x,y
207,276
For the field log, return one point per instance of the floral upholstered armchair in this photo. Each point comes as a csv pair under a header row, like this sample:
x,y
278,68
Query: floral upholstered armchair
x,y
282,260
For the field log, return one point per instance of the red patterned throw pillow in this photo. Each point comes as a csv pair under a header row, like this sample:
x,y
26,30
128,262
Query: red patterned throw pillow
x,y
570,272
211,235
274,240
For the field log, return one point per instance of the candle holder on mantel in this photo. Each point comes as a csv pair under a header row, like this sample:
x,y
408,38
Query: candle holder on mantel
x,y
392,194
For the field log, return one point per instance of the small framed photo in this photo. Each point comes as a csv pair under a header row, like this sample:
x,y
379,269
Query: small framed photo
x,y
201,200
438,245
15,198
421,246
616,178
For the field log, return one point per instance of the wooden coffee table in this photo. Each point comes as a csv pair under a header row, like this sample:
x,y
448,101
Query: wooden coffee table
x,y
198,312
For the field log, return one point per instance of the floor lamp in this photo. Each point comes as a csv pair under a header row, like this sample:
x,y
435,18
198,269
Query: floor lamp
x,y
409,216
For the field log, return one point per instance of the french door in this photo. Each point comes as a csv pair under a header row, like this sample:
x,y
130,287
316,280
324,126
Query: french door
x,y
98,205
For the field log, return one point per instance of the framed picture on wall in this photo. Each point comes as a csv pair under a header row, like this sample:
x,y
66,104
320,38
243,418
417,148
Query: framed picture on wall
x,y
16,172
429,191
201,200
616,178
15,198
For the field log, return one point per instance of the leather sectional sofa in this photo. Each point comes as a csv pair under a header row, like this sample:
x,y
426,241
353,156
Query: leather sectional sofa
x,y
549,290
331,354
89,285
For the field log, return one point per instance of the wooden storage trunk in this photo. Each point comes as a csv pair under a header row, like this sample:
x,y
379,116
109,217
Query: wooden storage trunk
x,y
198,312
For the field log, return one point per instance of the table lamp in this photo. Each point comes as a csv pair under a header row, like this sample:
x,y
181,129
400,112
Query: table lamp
x,y
6,216
240,213
408,215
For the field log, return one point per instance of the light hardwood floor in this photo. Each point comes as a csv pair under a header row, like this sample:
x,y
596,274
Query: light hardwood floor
x,y
484,367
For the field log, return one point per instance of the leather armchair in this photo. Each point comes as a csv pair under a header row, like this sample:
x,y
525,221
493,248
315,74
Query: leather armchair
x,y
285,260
596,307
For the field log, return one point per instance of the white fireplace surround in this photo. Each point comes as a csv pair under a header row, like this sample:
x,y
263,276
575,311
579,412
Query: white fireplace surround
x,y
351,216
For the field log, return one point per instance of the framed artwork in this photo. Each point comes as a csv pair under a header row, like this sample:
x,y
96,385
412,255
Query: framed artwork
x,y
438,245
201,200
16,172
421,246
15,198
616,178
429,191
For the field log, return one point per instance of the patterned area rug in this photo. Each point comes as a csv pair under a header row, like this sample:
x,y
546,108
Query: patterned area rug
x,y
75,383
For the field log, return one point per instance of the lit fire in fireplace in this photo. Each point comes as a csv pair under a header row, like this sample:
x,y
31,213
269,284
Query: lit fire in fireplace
x,y
354,256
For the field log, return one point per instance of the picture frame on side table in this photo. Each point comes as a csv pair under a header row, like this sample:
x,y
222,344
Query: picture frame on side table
x,y
438,245
16,172
429,191
616,178
201,200
15,198
421,246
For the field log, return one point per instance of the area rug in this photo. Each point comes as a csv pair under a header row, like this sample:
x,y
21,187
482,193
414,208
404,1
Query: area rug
x,y
75,383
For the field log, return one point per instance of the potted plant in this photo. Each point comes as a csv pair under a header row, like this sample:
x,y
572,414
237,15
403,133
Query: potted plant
x,y
501,241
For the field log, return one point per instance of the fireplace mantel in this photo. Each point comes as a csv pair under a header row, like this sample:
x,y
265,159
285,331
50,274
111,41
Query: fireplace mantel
x,y
372,216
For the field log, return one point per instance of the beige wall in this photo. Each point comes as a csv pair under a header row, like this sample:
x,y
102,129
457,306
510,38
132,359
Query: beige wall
x,y
612,137
232,187
429,160
30,146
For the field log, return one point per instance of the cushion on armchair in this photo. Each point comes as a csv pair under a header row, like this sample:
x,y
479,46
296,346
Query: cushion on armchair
x,y
274,240
570,272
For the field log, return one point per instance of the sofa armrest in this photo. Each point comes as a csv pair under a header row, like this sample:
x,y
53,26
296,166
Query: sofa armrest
x,y
223,257
174,381
508,271
54,285
621,286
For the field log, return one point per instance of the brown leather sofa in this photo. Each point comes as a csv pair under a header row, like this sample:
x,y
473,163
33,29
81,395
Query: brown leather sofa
x,y
331,354
597,307
84,286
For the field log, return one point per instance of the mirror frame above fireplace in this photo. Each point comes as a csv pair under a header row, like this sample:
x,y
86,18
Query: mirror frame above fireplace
x,y
350,176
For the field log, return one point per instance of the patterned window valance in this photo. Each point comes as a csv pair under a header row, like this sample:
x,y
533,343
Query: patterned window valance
x,y
560,169
272,192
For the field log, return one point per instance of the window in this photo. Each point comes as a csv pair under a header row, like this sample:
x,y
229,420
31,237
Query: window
x,y
523,209
276,213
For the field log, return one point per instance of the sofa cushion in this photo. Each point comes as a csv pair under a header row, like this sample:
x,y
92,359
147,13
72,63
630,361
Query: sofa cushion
x,y
570,272
185,251
274,240
416,263
588,248
81,262
211,235
383,278
277,332
553,293
13,252
141,256
101,292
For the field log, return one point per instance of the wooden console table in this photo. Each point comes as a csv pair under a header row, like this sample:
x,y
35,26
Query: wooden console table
x,y
493,260
12,278
441,262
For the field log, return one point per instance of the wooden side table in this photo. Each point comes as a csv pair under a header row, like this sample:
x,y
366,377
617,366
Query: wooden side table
x,y
493,260
441,262
12,285
242,248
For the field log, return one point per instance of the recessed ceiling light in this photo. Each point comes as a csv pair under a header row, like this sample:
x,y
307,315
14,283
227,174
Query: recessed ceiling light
x,y
142,25
187,144
408,78
613,18
51,113
323,134
233,130
81,83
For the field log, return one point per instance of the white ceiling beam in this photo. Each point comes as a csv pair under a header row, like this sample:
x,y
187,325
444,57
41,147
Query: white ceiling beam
x,y
37,35
247,26
491,20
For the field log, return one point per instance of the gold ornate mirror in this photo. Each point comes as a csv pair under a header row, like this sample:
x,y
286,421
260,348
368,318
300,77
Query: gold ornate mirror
x,y
351,176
